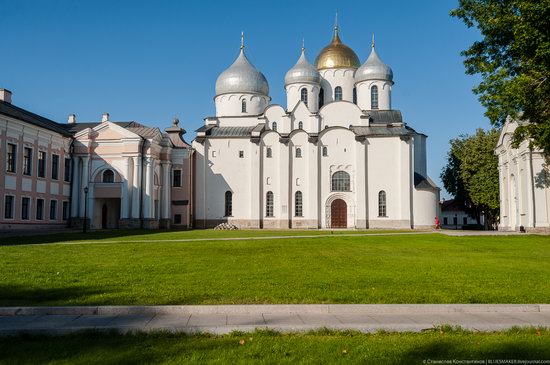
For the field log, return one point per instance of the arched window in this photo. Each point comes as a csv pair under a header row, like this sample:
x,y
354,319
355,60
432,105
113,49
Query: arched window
x,y
108,176
325,151
298,204
382,203
321,98
337,93
298,152
274,126
340,181
268,152
228,204
355,95
243,106
300,125
303,95
269,204
374,97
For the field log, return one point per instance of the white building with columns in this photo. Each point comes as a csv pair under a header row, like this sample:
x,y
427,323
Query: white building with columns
x,y
524,184
135,176
337,156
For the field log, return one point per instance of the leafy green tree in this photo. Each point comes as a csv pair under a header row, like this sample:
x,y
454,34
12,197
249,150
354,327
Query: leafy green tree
x,y
471,174
513,59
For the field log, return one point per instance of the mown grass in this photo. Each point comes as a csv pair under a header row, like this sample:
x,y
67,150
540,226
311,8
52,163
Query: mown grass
x,y
148,235
428,268
323,347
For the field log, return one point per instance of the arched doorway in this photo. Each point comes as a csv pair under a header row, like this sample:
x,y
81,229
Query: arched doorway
x,y
104,220
339,214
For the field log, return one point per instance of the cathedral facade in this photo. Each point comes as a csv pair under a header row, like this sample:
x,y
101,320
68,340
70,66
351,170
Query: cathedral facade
x,y
338,155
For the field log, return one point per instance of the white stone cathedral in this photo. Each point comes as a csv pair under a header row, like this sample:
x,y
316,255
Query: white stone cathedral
x,y
338,155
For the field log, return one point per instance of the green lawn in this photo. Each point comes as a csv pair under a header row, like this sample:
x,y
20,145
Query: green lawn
x,y
267,347
426,268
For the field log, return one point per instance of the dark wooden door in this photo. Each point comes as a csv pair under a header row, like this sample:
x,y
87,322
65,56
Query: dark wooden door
x,y
339,214
104,216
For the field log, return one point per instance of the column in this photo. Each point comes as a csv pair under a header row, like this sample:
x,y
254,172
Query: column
x,y
360,185
125,199
149,182
85,183
136,182
76,187
166,190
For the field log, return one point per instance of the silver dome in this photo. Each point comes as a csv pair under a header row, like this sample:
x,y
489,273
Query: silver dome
x,y
242,77
302,72
373,69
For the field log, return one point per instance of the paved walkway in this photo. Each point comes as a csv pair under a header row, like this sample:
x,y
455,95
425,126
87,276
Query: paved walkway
x,y
283,318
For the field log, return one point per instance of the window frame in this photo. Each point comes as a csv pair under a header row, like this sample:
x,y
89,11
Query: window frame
x,y
298,204
340,181
55,167
228,203
11,211
41,216
304,95
53,204
41,168
374,100
27,161
301,125
108,179
382,204
324,151
67,170
243,106
65,210
11,158
176,178
274,126
268,152
338,93
25,208
269,204
298,152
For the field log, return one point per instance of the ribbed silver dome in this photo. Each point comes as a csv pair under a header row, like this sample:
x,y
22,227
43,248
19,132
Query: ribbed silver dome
x,y
302,72
242,77
373,69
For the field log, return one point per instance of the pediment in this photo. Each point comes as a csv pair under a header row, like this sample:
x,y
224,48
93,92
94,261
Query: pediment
x,y
108,131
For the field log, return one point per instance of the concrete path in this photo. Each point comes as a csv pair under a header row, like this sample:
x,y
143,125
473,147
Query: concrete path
x,y
283,318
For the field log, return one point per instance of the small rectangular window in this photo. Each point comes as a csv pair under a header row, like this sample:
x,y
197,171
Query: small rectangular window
x,y
39,209
55,166
67,170
176,179
8,207
177,219
241,154
213,153
53,210
25,207
41,164
465,220
65,211
11,157
27,161
445,221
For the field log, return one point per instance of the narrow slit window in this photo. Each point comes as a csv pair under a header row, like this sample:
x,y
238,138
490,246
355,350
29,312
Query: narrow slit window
x,y
269,204
298,205
337,93
382,204
374,97
303,95
228,204
243,106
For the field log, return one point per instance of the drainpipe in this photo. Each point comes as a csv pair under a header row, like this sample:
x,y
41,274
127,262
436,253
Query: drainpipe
x,y
141,183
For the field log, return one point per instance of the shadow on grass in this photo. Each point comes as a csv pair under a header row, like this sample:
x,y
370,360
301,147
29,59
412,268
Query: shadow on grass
x,y
314,347
18,295
47,237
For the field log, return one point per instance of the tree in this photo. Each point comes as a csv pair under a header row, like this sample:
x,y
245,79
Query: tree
x,y
513,59
471,174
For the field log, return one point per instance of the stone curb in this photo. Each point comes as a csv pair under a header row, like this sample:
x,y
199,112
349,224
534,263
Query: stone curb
x,y
276,309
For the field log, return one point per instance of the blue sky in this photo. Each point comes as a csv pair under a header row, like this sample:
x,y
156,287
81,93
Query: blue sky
x,y
152,60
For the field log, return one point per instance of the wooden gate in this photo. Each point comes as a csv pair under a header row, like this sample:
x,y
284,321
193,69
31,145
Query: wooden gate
x,y
339,214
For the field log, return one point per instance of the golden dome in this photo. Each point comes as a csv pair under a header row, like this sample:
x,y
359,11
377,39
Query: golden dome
x,y
336,55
